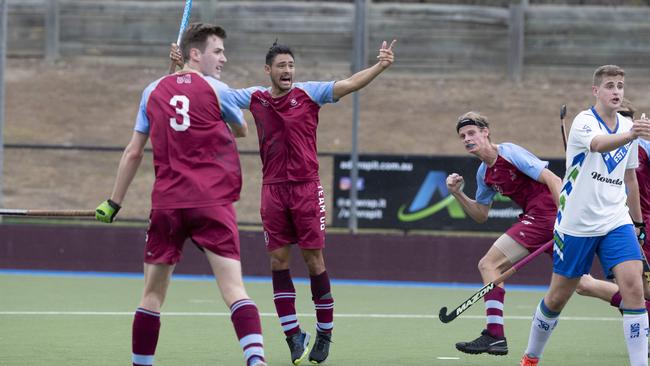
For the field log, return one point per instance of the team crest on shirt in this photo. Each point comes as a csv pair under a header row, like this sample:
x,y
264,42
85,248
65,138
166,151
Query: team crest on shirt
x,y
293,102
612,158
263,102
497,188
184,79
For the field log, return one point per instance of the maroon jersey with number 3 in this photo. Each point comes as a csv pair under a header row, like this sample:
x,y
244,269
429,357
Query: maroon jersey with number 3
x,y
194,153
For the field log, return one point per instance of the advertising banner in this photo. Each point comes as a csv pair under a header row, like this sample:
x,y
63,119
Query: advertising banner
x,y
409,193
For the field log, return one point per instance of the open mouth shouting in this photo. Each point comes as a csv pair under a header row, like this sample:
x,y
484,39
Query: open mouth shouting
x,y
285,80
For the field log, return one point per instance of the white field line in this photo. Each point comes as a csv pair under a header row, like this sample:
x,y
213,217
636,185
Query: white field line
x,y
336,315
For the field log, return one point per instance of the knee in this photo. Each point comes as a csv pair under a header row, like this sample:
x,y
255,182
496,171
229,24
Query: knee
x,y
486,265
631,286
584,286
279,263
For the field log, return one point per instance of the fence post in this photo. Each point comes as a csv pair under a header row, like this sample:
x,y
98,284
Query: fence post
x,y
360,59
4,8
52,31
516,30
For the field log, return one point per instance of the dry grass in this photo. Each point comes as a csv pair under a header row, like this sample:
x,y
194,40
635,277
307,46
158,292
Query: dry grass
x,y
88,102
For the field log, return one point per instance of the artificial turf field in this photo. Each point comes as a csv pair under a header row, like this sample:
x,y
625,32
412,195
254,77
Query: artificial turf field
x,y
57,319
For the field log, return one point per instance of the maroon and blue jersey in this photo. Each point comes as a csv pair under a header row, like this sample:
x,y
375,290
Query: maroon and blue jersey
x,y
515,174
286,129
194,152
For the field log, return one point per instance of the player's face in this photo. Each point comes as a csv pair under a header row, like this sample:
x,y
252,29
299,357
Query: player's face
x,y
474,138
609,93
281,72
213,58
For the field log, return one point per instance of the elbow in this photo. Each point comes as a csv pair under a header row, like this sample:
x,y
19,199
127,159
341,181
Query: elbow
x,y
133,154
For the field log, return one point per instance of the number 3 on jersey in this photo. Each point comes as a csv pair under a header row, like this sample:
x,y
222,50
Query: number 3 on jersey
x,y
183,110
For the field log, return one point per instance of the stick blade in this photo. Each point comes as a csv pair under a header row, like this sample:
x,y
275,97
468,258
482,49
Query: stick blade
x,y
444,317
563,111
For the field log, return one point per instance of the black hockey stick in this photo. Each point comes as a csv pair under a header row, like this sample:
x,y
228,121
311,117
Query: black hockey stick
x,y
446,318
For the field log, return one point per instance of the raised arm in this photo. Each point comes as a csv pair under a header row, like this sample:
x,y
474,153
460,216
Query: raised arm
x,y
475,210
364,77
607,143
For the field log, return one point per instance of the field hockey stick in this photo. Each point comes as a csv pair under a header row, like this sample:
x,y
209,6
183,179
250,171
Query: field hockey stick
x,y
446,318
184,21
562,115
68,213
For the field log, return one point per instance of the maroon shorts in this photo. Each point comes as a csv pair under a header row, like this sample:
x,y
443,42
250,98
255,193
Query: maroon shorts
x,y
213,228
293,213
533,230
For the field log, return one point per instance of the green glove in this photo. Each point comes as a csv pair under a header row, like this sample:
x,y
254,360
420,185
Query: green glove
x,y
106,211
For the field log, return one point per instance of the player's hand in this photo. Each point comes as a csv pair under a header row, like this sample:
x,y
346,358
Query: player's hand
x,y
641,235
106,211
386,56
175,55
641,127
455,183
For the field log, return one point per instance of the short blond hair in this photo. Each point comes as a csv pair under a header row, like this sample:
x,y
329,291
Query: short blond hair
x,y
472,118
607,70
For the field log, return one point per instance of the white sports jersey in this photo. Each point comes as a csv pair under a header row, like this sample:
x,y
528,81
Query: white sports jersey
x,y
593,198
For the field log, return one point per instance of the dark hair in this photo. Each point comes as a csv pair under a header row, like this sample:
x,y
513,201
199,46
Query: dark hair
x,y
196,36
277,49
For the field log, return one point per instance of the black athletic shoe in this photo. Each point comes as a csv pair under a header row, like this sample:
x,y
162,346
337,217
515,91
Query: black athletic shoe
x,y
484,344
321,348
298,345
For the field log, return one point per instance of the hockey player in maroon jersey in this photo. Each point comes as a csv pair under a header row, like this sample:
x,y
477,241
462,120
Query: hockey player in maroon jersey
x,y
191,123
293,202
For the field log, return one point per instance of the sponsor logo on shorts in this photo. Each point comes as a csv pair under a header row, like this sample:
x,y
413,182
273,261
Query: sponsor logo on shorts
x,y
266,238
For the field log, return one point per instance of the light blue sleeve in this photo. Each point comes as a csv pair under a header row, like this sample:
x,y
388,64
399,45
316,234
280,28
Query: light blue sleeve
x,y
230,112
242,97
141,120
523,159
321,92
484,194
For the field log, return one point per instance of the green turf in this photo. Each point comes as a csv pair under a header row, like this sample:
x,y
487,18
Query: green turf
x,y
360,339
